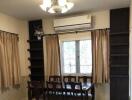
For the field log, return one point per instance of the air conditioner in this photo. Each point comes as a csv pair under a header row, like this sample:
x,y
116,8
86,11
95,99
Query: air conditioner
x,y
77,23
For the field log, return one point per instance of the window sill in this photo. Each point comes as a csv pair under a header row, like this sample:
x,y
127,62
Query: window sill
x,y
75,74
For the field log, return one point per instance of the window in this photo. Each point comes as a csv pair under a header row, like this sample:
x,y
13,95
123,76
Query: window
x,y
77,57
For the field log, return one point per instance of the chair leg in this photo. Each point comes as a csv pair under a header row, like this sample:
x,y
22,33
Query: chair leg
x,y
37,98
29,94
81,96
87,96
44,95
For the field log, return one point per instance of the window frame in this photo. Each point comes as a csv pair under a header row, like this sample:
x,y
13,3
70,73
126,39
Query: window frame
x,y
77,55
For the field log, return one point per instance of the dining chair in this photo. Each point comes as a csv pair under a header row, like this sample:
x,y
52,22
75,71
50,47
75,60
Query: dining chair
x,y
69,78
88,80
73,89
50,87
85,79
35,90
55,78
91,92
54,89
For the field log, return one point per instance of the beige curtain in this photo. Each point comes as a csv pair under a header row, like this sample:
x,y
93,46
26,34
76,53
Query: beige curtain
x,y
51,56
100,50
9,60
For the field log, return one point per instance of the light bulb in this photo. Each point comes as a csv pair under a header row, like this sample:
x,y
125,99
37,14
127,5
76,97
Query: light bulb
x,y
62,2
46,4
64,9
43,7
69,5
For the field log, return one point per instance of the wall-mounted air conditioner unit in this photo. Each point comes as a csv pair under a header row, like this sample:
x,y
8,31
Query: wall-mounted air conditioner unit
x,y
77,23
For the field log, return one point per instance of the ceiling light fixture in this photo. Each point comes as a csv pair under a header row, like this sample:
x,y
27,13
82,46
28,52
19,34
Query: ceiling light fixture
x,y
56,6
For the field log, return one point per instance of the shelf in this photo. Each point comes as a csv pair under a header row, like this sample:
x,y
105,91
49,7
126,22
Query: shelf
x,y
35,67
37,58
120,44
34,41
118,55
37,75
36,53
119,33
119,66
37,49
119,76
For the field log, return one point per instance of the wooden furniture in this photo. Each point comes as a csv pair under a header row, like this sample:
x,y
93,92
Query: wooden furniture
x,y
55,78
88,80
58,90
85,79
81,90
91,93
54,90
35,90
72,88
53,86
36,52
69,78
119,54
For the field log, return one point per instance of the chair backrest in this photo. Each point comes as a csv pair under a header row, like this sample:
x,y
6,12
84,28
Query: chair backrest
x,y
50,85
73,85
69,78
35,84
35,88
85,79
55,78
54,85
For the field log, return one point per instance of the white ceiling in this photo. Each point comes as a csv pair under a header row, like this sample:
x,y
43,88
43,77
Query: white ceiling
x,y
29,9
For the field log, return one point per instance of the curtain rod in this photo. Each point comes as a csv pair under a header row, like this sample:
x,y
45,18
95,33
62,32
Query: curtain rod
x,y
73,32
9,32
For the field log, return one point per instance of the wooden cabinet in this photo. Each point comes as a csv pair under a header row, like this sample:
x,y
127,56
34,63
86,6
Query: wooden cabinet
x,y
119,54
36,53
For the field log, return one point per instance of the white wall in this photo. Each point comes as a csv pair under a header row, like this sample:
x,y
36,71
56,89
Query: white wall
x,y
48,25
101,20
11,24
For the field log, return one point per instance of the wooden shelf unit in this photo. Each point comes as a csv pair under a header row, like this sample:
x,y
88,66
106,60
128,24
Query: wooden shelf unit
x,y
119,54
36,53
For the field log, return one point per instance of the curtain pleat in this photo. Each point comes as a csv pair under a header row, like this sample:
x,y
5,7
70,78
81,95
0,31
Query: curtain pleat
x,y
9,62
100,56
52,56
